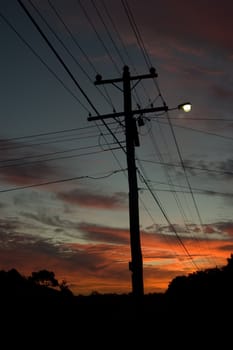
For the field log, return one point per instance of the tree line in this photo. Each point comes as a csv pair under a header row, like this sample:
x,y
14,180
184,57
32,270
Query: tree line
x,y
213,281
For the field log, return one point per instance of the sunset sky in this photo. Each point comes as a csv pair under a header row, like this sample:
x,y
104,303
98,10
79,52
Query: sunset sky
x,y
63,178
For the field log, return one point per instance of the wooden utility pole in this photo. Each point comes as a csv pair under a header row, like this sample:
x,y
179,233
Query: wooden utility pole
x,y
132,140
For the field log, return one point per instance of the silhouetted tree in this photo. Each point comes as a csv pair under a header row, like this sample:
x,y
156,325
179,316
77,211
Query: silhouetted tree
x,y
65,288
229,266
44,278
205,286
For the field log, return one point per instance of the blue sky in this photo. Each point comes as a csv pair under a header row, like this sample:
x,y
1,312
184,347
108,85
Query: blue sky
x,y
63,180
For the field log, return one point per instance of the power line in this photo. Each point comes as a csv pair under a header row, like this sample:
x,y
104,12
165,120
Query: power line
x,y
197,191
141,44
197,130
123,46
98,36
56,54
136,32
108,99
189,167
49,154
108,32
46,133
71,35
167,219
148,62
65,67
59,158
146,56
169,178
140,41
39,184
191,118
60,41
42,61
8,146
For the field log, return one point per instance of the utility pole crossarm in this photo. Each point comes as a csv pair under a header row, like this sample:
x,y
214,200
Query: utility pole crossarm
x,y
100,81
133,112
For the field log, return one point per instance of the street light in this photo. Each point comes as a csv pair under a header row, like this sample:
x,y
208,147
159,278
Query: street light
x,y
186,107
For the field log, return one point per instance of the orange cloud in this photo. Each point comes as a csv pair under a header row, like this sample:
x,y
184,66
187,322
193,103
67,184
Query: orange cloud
x,y
100,262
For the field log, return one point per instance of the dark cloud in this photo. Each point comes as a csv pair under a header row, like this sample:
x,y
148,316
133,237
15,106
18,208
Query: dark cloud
x,y
105,234
226,167
227,248
9,225
63,229
49,220
225,227
12,237
21,165
92,199
214,169
189,231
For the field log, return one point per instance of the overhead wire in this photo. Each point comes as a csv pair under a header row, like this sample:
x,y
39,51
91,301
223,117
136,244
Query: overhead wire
x,y
140,42
60,41
136,32
201,119
109,16
98,36
65,66
125,50
128,16
167,219
185,172
62,157
173,191
222,172
50,154
108,32
148,63
197,130
107,96
60,181
102,19
43,62
92,25
169,178
76,83
197,191
56,54
6,145
49,133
